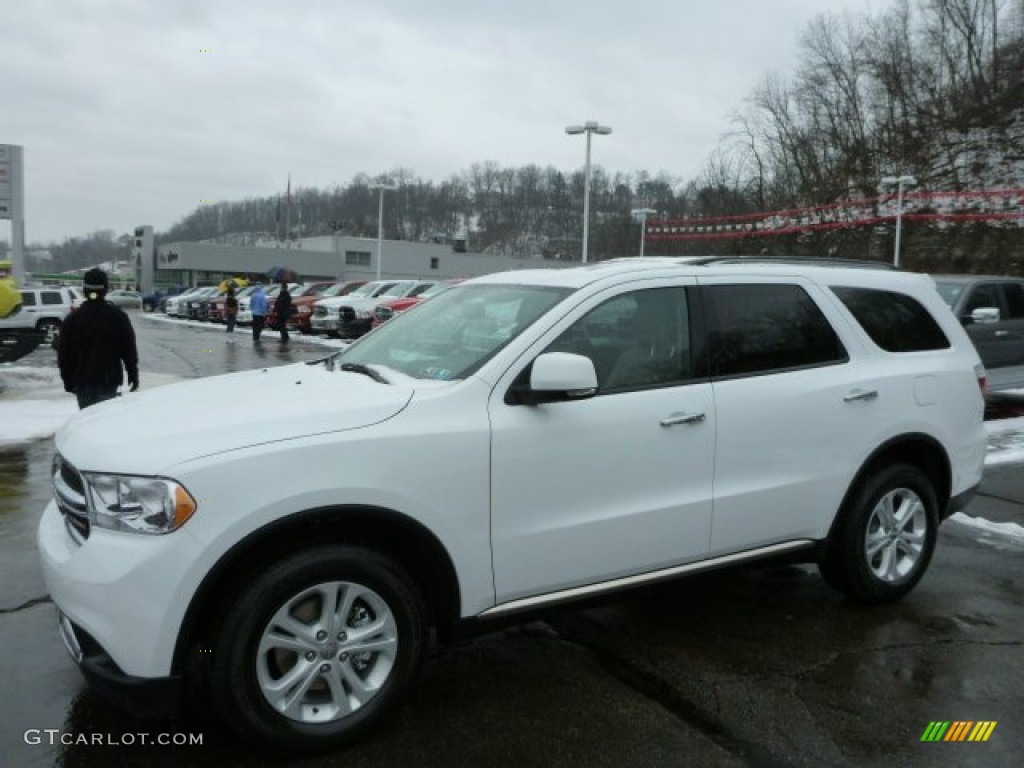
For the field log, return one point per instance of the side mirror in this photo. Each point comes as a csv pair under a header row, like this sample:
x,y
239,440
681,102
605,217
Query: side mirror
x,y
984,315
556,377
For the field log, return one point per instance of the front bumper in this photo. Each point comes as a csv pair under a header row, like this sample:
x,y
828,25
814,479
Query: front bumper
x,y
146,697
124,594
324,323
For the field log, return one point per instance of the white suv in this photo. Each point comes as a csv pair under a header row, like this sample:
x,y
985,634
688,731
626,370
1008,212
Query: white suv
x,y
522,440
44,308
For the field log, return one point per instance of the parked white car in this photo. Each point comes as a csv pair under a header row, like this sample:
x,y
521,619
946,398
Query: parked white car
x,y
520,441
175,306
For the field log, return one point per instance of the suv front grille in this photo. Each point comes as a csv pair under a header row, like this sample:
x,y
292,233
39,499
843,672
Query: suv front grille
x,y
69,492
347,314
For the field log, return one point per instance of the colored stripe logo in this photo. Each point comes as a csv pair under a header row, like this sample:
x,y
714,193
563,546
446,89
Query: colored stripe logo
x,y
958,730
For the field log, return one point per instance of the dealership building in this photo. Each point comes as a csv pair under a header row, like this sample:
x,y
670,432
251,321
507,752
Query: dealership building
x,y
329,257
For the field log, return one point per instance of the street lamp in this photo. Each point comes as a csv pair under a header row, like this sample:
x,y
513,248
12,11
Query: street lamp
x,y
380,218
589,127
642,214
899,182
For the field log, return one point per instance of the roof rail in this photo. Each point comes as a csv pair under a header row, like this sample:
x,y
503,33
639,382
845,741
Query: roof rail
x,y
815,261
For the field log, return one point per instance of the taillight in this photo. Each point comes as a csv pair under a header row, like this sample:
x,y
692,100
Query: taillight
x,y
979,371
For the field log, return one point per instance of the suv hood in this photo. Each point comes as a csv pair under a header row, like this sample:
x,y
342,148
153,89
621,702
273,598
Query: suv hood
x,y
150,432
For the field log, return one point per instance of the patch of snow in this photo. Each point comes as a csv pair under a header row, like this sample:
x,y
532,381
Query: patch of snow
x,y
244,330
1011,531
1005,441
34,405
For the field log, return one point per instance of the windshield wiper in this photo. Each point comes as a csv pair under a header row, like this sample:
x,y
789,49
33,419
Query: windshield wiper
x,y
327,360
365,370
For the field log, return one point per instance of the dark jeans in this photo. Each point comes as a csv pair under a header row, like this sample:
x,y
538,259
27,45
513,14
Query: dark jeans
x,y
231,323
284,331
258,321
91,395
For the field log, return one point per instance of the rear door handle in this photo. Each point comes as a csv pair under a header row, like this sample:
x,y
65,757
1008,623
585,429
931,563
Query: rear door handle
x,y
860,394
1002,333
682,418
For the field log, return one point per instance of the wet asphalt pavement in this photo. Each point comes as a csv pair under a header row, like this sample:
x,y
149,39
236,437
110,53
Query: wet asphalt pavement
x,y
755,668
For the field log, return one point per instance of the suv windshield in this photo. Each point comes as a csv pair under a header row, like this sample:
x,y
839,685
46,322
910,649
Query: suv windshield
x,y
455,333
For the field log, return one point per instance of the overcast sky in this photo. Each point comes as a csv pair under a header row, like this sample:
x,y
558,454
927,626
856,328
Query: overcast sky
x,y
135,111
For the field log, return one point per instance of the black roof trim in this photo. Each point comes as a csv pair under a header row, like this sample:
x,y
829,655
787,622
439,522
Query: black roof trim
x,y
815,261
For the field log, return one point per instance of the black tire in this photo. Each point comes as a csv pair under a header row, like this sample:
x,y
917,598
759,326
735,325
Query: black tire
x,y
52,329
902,548
374,588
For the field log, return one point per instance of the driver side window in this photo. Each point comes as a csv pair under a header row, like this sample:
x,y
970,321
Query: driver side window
x,y
636,340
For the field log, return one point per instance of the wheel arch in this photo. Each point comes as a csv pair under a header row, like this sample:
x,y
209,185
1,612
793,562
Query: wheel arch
x,y
917,449
383,530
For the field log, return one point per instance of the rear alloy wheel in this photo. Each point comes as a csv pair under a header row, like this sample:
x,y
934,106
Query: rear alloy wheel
x,y
318,649
886,537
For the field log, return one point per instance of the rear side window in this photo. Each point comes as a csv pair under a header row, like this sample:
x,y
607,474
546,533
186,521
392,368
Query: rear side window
x,y
28,299
894,321
754,329
1014,299
51,297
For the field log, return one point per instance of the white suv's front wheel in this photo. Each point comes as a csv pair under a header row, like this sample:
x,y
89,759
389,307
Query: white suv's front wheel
x,y
318,648
884,541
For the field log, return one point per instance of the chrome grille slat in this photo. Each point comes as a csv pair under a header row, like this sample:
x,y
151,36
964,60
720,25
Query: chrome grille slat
x,y
69,493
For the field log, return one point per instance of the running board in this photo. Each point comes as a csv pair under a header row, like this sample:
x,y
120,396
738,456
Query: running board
x,y
575,593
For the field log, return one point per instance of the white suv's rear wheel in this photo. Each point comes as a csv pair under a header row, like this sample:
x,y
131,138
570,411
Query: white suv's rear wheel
x,y
318,648
885,539
52,329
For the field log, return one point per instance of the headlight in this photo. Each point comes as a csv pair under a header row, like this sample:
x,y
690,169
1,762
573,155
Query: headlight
x,y
364,314
303,310
150,505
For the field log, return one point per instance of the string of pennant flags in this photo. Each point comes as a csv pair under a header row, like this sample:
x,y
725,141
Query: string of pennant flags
x,y
1003,207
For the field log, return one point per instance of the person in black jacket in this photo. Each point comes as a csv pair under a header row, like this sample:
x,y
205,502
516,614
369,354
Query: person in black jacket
x,y
283,310
95,340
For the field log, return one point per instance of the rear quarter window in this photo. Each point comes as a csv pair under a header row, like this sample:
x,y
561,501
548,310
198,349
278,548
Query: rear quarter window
x,y
894,321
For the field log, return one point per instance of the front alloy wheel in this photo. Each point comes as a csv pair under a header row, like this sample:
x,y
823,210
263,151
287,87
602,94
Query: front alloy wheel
x,y
326,652
318,648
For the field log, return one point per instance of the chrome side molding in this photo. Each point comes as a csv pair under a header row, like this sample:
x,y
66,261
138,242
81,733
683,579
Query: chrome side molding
x,y
538,601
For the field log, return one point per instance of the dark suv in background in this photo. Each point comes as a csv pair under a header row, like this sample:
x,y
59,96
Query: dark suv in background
x,y
991,308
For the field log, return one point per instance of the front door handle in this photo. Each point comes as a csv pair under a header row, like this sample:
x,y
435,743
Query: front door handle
x,y
860,394
1002,333
682,418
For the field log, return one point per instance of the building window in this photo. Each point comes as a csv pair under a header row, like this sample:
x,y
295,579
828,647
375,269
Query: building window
x,y
435,262
357,258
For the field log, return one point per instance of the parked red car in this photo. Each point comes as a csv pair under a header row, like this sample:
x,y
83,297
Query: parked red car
x,y
302,306
384,312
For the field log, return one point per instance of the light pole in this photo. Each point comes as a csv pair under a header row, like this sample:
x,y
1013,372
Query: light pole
x,y
589,127
643,213
899,182
380,218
